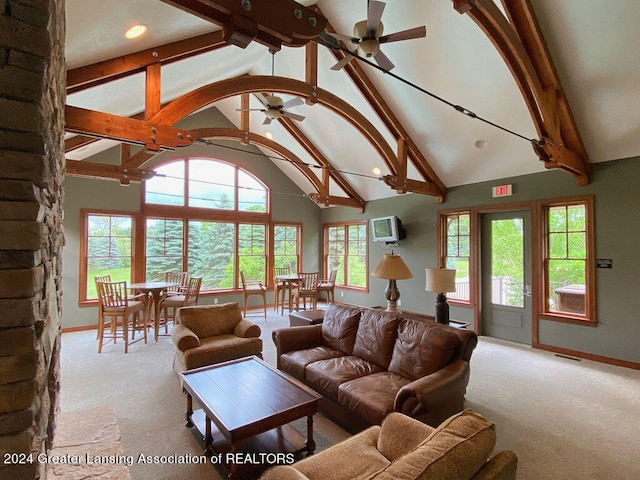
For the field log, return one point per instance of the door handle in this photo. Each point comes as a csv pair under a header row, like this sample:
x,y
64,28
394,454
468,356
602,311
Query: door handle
x,y
527,290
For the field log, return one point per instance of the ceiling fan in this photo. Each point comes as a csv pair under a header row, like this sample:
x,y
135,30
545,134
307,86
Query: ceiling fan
x,y
274,107
368,36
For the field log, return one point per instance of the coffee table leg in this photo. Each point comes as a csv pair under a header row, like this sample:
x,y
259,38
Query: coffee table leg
x,y
208,438
311,444
189,411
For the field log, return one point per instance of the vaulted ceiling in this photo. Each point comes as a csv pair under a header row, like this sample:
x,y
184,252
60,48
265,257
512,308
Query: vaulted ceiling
x,y
492,91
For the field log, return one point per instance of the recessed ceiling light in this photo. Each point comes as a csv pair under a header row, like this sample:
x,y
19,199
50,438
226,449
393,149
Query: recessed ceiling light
x,y
481,144
135,31
269,135
376,171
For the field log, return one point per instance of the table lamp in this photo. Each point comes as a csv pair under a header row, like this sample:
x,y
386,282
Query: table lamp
x,y
440,281
392,268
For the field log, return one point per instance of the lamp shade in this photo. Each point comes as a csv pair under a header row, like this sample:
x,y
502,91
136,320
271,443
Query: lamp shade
x,y
440,280
392,267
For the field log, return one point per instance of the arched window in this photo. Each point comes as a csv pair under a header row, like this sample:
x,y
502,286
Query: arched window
x,y
206,217
206,183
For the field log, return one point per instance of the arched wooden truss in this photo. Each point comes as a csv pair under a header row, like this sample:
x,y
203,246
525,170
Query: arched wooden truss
x,y
517,38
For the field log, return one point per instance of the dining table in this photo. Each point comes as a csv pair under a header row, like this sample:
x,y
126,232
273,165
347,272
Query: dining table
x,y
154,290
288,280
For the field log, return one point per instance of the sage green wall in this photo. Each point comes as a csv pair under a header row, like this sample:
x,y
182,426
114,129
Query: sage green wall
x,y
617,228
287,202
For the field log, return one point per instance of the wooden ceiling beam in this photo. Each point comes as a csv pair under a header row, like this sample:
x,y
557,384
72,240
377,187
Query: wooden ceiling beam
x,y
273,23
125,175
259,140
327,168
371,94
81,78
152,135
208,94
521,44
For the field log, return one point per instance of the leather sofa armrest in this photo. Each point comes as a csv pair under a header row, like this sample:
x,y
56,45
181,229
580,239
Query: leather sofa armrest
x,y
501,466
425,394
246,329
297,338
184,338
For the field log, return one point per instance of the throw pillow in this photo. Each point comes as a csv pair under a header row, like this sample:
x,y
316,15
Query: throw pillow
x,y
421,349
339,327
376,336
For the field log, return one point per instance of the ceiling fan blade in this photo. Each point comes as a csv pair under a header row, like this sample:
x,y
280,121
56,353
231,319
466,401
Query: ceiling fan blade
x,y
383,61
417,32
374,15
341,64
249,109
263,99
267,121
294,102
293,116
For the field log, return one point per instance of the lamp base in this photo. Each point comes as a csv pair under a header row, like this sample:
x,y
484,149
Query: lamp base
x,y
392,306
442,309
392,294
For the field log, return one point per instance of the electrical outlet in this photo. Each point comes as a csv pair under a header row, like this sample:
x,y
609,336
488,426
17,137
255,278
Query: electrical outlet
x,y
215,301
342,294
399,302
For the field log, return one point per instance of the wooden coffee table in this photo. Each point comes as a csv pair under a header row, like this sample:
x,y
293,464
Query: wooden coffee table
x,y
246,405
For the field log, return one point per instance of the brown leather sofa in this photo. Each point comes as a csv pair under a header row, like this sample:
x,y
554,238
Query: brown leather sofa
x,y
367,363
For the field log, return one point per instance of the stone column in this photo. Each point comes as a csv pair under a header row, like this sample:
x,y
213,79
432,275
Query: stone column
x,y
32,97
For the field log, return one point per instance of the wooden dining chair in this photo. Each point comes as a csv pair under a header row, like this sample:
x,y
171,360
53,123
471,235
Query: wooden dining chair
x,y
327,286
253,287
170,303
279,285
115,304
306,288
181,279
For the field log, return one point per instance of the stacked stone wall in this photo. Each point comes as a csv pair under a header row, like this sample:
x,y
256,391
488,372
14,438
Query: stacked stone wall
x,y
32,97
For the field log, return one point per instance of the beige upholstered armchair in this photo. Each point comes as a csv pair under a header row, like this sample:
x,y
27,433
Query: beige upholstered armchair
x,y
208,334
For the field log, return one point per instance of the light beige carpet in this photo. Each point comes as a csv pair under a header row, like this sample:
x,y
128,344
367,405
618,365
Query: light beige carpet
x,y
565,419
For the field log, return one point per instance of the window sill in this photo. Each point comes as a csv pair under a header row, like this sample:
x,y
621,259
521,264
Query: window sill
x,y
568,318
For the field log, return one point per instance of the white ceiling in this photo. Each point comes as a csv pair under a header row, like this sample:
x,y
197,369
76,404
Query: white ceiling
x,y
592,42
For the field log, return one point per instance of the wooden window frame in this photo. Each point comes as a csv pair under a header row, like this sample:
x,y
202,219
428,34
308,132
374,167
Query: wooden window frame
x,y
542,207
325,253
83,266
298,227
443,230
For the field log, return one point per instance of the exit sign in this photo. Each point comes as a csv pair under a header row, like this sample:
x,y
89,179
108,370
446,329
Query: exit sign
x,y
503,190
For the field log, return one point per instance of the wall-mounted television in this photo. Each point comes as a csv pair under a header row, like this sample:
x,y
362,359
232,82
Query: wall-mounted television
x,y
387,229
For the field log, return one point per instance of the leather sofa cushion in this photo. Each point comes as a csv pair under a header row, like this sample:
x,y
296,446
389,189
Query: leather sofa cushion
x,y
340,327
421,349
325,376
376,336
220,349
371,397
455,450
296,362
210,320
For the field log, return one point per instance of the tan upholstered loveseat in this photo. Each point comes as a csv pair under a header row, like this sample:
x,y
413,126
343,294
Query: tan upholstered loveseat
x,y
368,363
208,334
405,449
